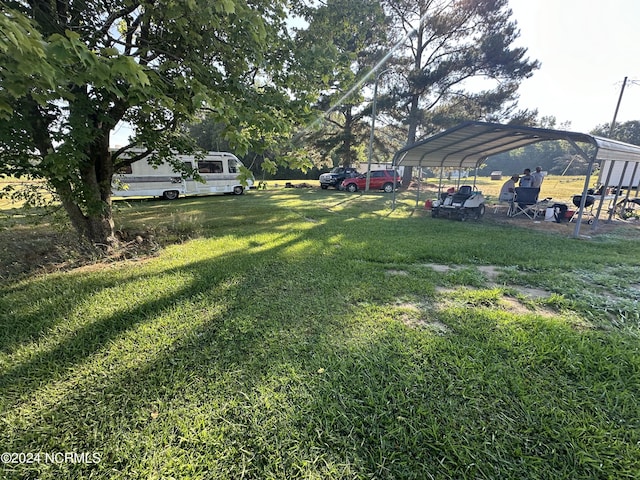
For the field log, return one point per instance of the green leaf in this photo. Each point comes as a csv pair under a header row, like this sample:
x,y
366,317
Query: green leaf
x,y
225,6
110,52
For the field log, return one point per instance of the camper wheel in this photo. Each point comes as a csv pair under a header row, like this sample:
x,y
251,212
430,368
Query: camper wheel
x,y
237,190
170,194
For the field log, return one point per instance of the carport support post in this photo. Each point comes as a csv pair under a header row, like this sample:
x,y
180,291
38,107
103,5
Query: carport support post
x,y
393,200
606,183
583,199
419,182
633,178
373,129
394,165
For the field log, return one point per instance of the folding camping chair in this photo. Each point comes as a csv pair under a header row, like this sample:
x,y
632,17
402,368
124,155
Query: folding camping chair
x,y
525,202
506,197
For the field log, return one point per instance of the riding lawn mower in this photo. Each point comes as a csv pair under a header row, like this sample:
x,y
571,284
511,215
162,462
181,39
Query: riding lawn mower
x,y
464,204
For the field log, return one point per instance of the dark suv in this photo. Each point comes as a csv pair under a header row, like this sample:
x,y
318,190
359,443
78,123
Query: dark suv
x,y
336,176
380,180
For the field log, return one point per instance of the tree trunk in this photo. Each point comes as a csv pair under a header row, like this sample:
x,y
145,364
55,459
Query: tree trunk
x,y
97,176
90,213
101,229
97,228
411,136
414,108
347,141
96,225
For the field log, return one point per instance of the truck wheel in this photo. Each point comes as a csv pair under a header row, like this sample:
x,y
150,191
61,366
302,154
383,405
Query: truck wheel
x,y
238,190
170,194
352,187
388,187
323,186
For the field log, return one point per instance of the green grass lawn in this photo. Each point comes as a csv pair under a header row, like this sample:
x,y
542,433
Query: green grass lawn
x,y
314,334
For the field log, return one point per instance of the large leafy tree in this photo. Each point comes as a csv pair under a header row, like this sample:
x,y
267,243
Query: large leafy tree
x,y
72,70
343,41
458,63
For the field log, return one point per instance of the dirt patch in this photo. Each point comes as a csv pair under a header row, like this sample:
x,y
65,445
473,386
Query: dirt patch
x,y
414,316
398,272
622,228
448,297
36,249
490,272
437,267
513,305
532,292
434,325
508,303
445,290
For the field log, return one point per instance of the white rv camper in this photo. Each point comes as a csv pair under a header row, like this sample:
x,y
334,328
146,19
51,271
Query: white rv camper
x,y
219,170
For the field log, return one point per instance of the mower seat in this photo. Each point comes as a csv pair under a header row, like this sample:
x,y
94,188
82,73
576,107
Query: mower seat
x,y
461,195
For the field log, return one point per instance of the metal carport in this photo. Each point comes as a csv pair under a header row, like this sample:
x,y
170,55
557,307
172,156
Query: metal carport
x,y
468,145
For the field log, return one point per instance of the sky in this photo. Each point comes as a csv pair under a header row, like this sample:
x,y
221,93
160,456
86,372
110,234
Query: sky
x,y
586,48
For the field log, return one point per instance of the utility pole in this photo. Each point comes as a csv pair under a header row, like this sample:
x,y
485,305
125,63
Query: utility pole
x,y
615,114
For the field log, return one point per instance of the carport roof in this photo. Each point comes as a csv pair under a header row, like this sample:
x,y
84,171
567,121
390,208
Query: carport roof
x,y
469,144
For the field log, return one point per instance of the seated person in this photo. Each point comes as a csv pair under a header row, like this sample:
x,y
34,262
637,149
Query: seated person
x,y
508,189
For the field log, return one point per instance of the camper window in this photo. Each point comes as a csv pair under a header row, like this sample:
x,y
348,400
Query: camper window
x,y
124,170
210,166
232,166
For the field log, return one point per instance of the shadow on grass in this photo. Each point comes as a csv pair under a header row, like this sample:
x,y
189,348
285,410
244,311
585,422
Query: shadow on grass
x,y
338,391
267,361
32,309
90,334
